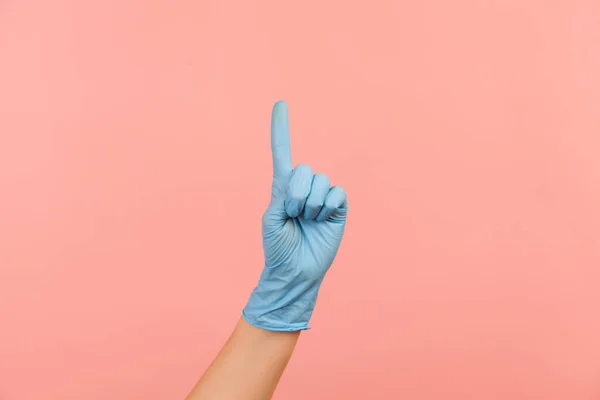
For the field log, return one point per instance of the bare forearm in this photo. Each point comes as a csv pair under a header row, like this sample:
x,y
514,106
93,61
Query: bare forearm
x,y
248,367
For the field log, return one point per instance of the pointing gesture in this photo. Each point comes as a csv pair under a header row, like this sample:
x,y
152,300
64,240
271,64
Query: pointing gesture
x,y
302,230
280,143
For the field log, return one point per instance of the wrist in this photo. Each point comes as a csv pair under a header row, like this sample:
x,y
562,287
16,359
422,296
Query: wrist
x,y
277,305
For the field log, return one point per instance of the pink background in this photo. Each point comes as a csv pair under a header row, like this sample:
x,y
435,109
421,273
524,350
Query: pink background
x,y
135,166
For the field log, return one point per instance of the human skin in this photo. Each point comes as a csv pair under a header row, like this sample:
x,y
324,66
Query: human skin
x,y
248,367
302,230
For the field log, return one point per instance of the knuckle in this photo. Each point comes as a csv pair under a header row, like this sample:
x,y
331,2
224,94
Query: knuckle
x,y
303,168
296,197
321,177
340,190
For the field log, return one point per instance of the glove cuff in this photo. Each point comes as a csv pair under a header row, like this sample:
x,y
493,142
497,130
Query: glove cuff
x,y
281,306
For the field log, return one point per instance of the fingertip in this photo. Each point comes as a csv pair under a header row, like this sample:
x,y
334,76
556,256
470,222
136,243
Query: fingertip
x,y
279,117
280,105
279,114
336,197
321,180
334,202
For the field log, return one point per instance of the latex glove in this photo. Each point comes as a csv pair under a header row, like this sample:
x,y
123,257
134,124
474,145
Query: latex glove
x,y
302,230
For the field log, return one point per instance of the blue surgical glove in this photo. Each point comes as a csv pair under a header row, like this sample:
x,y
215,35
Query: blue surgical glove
x,y
302,229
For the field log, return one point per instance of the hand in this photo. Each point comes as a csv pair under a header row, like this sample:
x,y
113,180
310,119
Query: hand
x,y
302,230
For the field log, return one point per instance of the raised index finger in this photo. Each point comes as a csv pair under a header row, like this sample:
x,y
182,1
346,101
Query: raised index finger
x,y
280,140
